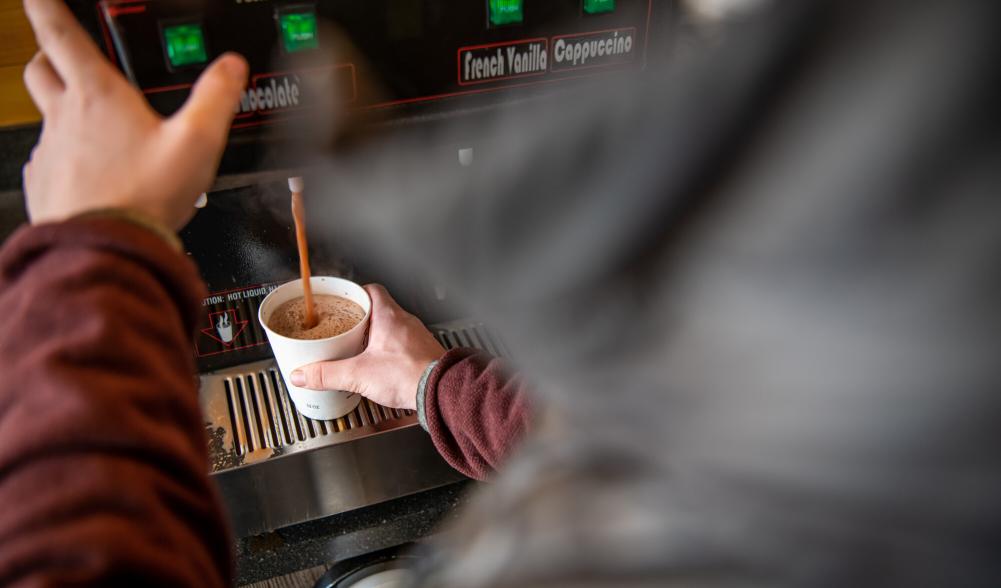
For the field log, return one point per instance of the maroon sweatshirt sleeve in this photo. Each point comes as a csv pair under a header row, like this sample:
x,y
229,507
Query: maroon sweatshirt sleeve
x,y
103,460
475,410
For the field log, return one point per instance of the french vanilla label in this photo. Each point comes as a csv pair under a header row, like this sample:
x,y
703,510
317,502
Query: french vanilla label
x,y
598,49
501,61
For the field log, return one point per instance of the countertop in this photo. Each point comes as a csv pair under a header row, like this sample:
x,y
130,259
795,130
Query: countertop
x,y
318,544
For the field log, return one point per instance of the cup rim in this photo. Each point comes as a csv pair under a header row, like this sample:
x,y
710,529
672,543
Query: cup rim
x,y
271,333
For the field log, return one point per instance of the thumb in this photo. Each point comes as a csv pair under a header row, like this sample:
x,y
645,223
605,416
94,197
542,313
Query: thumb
x,y
327,375
212,103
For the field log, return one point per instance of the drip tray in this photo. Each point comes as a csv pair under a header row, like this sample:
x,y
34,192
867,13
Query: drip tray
x,y
252,418
276,467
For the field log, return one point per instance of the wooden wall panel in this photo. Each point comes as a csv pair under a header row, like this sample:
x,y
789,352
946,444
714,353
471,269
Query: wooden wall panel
x,y
17,45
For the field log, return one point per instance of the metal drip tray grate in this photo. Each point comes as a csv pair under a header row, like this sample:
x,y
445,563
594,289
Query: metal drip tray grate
x,y
250,416
467,334
263,415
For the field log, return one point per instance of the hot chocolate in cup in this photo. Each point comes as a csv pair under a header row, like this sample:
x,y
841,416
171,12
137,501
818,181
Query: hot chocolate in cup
x,y
294,353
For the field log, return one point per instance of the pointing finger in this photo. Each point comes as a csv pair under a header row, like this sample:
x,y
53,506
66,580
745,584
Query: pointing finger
x,y
213,100
26,168
71,52
42,82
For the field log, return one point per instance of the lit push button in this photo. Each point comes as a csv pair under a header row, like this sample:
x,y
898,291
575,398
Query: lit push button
x,y
598,6
185,44
298,30
505,12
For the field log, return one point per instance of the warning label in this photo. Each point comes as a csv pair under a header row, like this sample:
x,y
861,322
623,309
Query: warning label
x,y
502,61
230,322
227,326
237,295
597,49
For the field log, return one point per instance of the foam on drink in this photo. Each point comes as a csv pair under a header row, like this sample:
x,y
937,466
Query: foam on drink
x,y
335,316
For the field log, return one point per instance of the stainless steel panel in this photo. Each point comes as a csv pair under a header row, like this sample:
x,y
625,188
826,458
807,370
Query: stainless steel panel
x,y
304,486
277,468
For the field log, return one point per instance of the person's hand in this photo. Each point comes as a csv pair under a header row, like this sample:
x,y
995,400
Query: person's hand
x,y
387,372
102,146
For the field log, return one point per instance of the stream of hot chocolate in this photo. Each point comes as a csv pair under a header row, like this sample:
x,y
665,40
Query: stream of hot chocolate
x,y
299,216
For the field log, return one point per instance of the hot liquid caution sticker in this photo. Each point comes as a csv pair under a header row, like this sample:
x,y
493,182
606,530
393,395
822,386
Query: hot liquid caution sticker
x,y
230,321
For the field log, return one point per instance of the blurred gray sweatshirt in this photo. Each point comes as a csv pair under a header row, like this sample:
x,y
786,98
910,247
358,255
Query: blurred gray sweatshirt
x,y
758,289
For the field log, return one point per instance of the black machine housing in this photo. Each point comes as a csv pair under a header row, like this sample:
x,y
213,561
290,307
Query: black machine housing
x,y
395,61
384,54
413,63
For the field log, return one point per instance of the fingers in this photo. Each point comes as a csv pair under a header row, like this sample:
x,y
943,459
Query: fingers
x,y
42,82
213,100
327,375
382,304
26,168
71,52
381,299
384,308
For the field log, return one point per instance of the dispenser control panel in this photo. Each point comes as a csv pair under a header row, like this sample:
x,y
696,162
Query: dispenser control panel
x,y
371,54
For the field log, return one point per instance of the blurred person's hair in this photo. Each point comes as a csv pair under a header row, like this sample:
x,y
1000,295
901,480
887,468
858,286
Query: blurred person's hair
x,y
758,288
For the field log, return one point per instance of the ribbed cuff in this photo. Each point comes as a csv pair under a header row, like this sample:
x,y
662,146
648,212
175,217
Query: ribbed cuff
x,y
421,389
140,219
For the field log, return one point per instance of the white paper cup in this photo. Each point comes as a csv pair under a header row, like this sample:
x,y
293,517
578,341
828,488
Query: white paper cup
x,y
295,353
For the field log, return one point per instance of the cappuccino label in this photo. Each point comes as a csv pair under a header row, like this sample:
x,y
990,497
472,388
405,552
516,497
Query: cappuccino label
x,y
502,61
598,49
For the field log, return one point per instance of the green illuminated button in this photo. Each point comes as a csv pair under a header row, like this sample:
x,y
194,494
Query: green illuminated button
x,y
598,6
185,44
504,12
298,31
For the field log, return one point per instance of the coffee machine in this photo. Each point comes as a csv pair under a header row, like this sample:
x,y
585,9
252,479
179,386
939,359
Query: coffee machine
x,y
406,62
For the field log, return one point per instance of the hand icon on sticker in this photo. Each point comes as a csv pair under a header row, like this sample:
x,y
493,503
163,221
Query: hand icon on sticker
x,y
225,328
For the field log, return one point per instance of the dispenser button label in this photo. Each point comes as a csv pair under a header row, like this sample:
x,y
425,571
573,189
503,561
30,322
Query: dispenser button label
x,y
597,49
502,61
276,92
